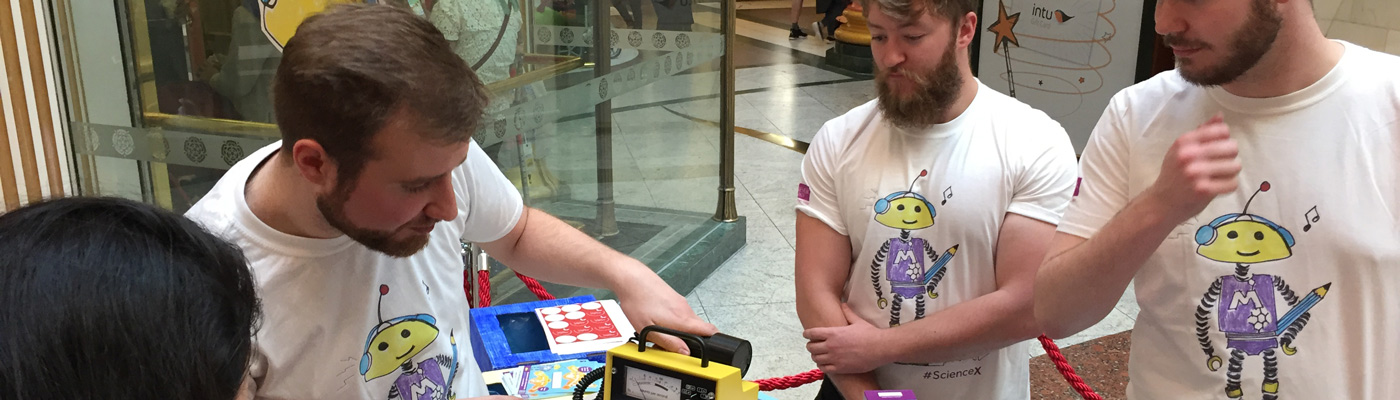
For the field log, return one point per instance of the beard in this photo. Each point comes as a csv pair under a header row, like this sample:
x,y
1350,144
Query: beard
x,y
332,208
932,95
1246,48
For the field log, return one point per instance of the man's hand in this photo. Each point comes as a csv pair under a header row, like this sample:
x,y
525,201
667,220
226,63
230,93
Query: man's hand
x,y
532,248
850,349
1200,165
211,67
647,300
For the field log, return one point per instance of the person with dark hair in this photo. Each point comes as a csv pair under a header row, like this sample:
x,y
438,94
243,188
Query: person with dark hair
x,y
923,216
354,221
108,298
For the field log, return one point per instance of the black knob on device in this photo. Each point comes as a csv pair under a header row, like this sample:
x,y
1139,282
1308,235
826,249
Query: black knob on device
x,y
729,350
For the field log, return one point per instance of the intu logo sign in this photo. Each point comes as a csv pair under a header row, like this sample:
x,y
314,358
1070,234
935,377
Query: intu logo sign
x,y
1047,16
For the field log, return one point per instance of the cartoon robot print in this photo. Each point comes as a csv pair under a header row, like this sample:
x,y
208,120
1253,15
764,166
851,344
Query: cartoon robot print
x,y
1247,308
909,273
393,344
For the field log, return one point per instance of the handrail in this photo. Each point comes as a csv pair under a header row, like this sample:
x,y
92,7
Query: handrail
x,y
783,141
558,65
203,124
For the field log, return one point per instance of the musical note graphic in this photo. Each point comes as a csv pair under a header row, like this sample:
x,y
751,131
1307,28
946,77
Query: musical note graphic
x,y
947,194
1309,217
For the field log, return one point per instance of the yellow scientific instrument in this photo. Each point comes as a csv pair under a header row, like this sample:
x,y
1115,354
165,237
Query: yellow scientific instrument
x,y
638,372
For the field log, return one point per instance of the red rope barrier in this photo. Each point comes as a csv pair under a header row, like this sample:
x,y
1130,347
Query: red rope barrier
x,y
483,279
535,287
467,288
789,382
1066,370
1062,365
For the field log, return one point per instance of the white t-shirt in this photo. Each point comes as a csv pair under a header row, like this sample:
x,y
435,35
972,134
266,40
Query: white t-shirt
x,y
1330,154
327,332
999,156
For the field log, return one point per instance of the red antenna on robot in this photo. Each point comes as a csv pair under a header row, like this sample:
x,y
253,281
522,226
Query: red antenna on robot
x,y
383,291
1263,187
922,174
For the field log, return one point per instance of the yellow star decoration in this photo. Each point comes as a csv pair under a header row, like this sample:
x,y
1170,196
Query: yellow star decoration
x,y
1003,28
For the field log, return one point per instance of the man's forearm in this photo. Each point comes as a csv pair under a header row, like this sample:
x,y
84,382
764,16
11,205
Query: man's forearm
x,y
966,330
1079,286
817,310
551,250
819,305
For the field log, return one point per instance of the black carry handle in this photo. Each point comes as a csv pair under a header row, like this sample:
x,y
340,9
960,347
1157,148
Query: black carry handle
x,y
694,341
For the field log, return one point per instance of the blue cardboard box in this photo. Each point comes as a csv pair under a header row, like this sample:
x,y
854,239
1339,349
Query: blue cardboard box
x,y
511,335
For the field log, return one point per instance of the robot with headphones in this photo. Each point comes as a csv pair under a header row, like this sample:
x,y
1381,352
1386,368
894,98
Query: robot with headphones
x,y
909,273
1248,313
393,344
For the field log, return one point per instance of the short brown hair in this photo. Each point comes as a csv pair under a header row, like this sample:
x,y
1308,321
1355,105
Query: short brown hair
x,y
349,69
905,10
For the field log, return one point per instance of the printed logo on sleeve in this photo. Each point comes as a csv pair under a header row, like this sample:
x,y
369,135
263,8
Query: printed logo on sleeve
x,y
1077,183
804,193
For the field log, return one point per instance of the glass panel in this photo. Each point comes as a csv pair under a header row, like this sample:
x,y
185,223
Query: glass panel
x,y
195,98
624,146
644,178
